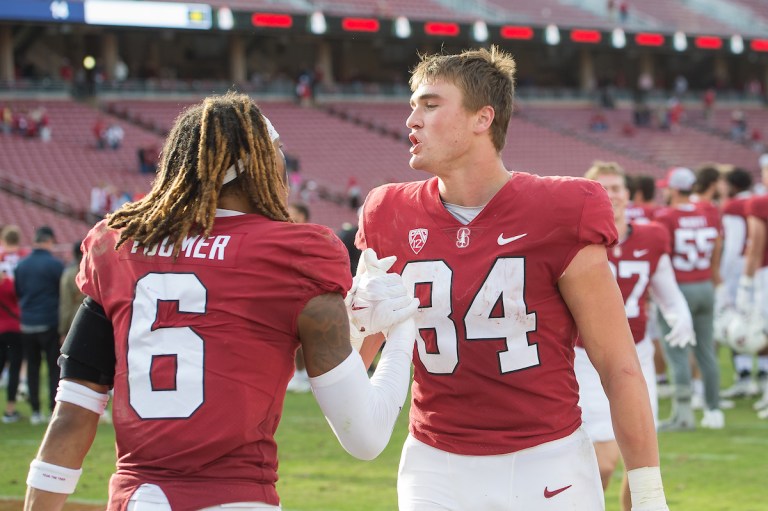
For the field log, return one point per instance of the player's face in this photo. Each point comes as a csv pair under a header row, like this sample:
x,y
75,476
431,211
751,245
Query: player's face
x,y
617,192
440,127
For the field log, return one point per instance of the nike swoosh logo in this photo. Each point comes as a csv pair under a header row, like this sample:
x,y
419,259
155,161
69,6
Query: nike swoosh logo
x,y
356,308
640,253
503,241
549,494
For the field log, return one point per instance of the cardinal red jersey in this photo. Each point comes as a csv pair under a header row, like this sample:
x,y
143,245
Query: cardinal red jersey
x,y
494,356
634,263
757,206
204,349
693,228
9,306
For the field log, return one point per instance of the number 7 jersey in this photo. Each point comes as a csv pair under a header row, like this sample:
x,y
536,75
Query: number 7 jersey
x,y
494,356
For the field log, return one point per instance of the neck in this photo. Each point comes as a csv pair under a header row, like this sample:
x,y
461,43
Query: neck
x,y
475,187
622,227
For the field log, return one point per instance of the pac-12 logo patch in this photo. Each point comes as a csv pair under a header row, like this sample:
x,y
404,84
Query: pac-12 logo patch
x,y
462,237
417,238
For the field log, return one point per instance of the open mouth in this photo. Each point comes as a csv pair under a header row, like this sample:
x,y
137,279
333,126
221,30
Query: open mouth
x,y
416,143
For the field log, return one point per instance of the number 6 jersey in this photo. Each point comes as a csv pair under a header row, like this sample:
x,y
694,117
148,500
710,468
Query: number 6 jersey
x,y
204,348
494,356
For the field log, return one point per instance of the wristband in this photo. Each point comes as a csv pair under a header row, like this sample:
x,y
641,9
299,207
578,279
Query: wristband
x,y
646,489
52,478
82,396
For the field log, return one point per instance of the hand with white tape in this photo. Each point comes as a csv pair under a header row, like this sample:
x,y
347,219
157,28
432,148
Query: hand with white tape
x,y
377,300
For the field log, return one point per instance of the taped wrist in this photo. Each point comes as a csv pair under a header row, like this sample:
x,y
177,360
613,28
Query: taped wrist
x,y
52,478
82,396
646,489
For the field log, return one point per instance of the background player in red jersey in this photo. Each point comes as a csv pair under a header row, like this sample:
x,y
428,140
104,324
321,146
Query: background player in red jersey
x,y
695,229
507,266
752,295
642,266
198,296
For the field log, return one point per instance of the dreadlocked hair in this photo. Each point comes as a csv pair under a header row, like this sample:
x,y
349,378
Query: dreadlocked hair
x,y
205,141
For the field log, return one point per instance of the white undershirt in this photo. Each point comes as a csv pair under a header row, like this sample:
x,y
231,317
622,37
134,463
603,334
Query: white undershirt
x,y
463,214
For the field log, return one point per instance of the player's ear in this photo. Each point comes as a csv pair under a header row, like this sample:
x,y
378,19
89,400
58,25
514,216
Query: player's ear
x,y
484,118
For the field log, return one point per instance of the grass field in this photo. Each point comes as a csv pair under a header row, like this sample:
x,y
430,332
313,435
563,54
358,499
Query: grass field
x,y
703,470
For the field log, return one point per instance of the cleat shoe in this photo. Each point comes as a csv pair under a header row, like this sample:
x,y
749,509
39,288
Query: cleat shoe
x,y
763,414
697,402
713,419
761,403
37,418
727,404
11,417
743,387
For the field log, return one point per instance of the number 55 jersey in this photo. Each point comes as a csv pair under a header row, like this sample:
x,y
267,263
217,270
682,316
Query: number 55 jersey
x,y
204,347
493,363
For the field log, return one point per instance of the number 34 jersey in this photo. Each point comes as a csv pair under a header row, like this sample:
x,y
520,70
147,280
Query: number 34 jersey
x,y
494,356
204,349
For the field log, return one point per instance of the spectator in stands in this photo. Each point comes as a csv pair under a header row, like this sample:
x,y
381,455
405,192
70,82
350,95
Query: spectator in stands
x,y
598,122
738,126
354,193
37,286
113,136
6,120
623,11
708,103
224,289
99,130
70,296
148,159
11,251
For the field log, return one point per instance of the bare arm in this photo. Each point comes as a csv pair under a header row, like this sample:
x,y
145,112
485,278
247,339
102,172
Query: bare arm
x,y
717,254
67,441
324,333
593,297
361,411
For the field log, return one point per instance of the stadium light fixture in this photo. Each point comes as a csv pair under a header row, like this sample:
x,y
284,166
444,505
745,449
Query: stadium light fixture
x,y
480,31
224,18
317,24
618,38
680,41
585,36
402,27
552,35
360,25
708,42
89,62
514,32
737,44
651,39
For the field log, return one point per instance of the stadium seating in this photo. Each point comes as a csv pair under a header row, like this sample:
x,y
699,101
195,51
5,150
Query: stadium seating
x,y
544,12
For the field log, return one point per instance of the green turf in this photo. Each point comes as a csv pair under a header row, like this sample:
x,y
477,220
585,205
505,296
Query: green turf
x,y
703,470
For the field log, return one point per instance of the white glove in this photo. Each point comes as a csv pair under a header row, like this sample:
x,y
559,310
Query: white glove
x,y
722,301
681,334
745,294
377,299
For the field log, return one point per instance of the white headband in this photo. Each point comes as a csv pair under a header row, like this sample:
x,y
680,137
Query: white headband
x,y
232,172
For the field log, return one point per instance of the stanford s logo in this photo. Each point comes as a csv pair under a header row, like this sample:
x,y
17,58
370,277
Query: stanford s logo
x,y
417,238
462,237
